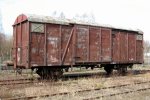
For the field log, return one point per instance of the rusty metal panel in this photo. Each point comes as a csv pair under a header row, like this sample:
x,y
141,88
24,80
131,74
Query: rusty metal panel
x,y
20,19
132,47
53,44
14,47
123,47
82,43
24,46
120,46
139,48
127,47
18,44
106,45
20,35
65,33
37,49
115,46
95,44
18,29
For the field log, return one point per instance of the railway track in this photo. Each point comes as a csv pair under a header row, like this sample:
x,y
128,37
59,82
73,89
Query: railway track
x,y
120,93
98,90
16,81
65,77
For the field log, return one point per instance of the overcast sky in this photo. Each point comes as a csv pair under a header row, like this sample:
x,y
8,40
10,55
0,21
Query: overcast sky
x,y
133,14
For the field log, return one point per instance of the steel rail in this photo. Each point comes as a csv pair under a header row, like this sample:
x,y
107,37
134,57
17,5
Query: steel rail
x,y
88,90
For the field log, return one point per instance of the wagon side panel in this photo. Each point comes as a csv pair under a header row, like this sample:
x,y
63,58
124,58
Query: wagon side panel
x,y
18,44
95,44
53,44
24,48
37,42
115,46
82,43
139,48
123,47
131,47
67,38
106,44
20,35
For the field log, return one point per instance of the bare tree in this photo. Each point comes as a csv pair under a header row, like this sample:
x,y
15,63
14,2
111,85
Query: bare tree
x,y
146,47
5,47
2,42
54,14
1,25
146,52
90,18
5,44
62,15
84,17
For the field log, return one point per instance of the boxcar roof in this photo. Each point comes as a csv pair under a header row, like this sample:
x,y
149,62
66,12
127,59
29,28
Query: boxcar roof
x,y
54,20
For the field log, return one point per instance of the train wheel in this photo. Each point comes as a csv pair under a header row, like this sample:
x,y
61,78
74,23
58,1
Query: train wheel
x,y
43,73
108,69
122,70
19,71
57,74
50,73
66,69
38,71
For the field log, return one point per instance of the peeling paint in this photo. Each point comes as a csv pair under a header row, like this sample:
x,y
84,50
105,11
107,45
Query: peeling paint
x,y
53,59
53,41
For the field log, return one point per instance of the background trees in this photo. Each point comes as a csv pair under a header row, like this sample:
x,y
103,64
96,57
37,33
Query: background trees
x,y
146,47
146,52
5,47
5,43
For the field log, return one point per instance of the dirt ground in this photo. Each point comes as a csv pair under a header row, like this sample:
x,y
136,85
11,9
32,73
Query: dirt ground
x,y
144,95
75,85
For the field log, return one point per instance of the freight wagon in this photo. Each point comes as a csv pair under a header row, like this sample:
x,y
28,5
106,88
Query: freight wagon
x,y
49,45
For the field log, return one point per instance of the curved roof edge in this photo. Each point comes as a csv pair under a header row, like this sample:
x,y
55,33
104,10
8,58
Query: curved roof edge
x,y
20,18
49,19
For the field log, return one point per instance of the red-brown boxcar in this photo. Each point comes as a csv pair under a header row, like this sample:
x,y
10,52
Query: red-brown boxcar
x,y
50,44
